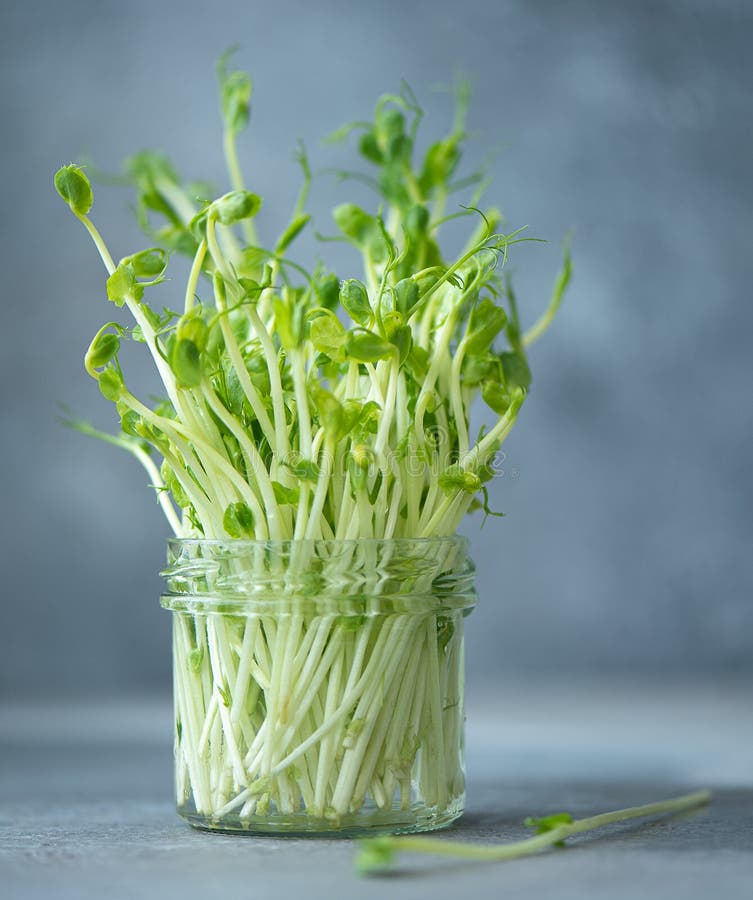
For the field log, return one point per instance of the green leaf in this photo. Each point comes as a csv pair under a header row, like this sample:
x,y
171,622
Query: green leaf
x,y
418,362
402,338
238,520
399,152
174,486
374,854
130,420
197,226
416,221
362,230
390,124
285,495
456,478
495,396
234,453
486,322
292,232
75,188
251,288
195,658
392,185
406,295
354,299
367,347
549,823
329,409
305,469
354,222
562,280
193,328
369,148
177,239
513,326
352,412
327,291
235,206
235,95
111,383
477,369
327,333
368,418
439,164
148,167
149,263
186,362
102,349
516,371
122,285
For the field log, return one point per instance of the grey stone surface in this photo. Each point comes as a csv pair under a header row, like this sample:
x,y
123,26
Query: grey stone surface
x,y
87,809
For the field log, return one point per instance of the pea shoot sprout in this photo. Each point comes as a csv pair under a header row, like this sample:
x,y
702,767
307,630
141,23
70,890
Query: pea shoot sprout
x,y
377,854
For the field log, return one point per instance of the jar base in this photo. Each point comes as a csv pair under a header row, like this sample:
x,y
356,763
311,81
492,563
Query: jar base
x,y
365,823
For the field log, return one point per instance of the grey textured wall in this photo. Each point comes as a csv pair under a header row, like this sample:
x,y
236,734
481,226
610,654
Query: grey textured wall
x,y
627,543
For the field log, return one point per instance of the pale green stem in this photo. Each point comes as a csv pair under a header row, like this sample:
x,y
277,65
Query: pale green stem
x,y
193,277
179,433
253,460
236,180
477,455
545,320
439,360
303,414
388,413
282,444
231,344
326,462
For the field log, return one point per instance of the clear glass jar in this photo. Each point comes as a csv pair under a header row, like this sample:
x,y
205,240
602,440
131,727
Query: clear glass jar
x,y
319,684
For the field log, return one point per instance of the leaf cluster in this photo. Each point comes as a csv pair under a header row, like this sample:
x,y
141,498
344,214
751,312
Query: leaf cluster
x,y
306,403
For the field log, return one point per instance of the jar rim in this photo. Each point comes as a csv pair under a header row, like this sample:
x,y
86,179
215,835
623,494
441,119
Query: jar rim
x,y
218,575
458,539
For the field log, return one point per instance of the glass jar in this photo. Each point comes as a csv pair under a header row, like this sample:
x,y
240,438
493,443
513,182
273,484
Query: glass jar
x,y
319,684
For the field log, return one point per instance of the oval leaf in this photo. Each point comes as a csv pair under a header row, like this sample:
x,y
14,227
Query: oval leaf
x,y
185,361
236,206
355,301
75,188
367,347
102,349
238,521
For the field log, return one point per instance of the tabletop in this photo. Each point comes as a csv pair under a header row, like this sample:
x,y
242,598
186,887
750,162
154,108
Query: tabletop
x,y
86,806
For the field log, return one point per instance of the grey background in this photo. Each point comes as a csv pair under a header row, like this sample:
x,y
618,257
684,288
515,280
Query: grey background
x,y
627,483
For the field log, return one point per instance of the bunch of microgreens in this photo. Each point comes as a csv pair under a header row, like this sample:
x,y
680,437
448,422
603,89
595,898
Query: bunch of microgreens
x,y
309,409
304,406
